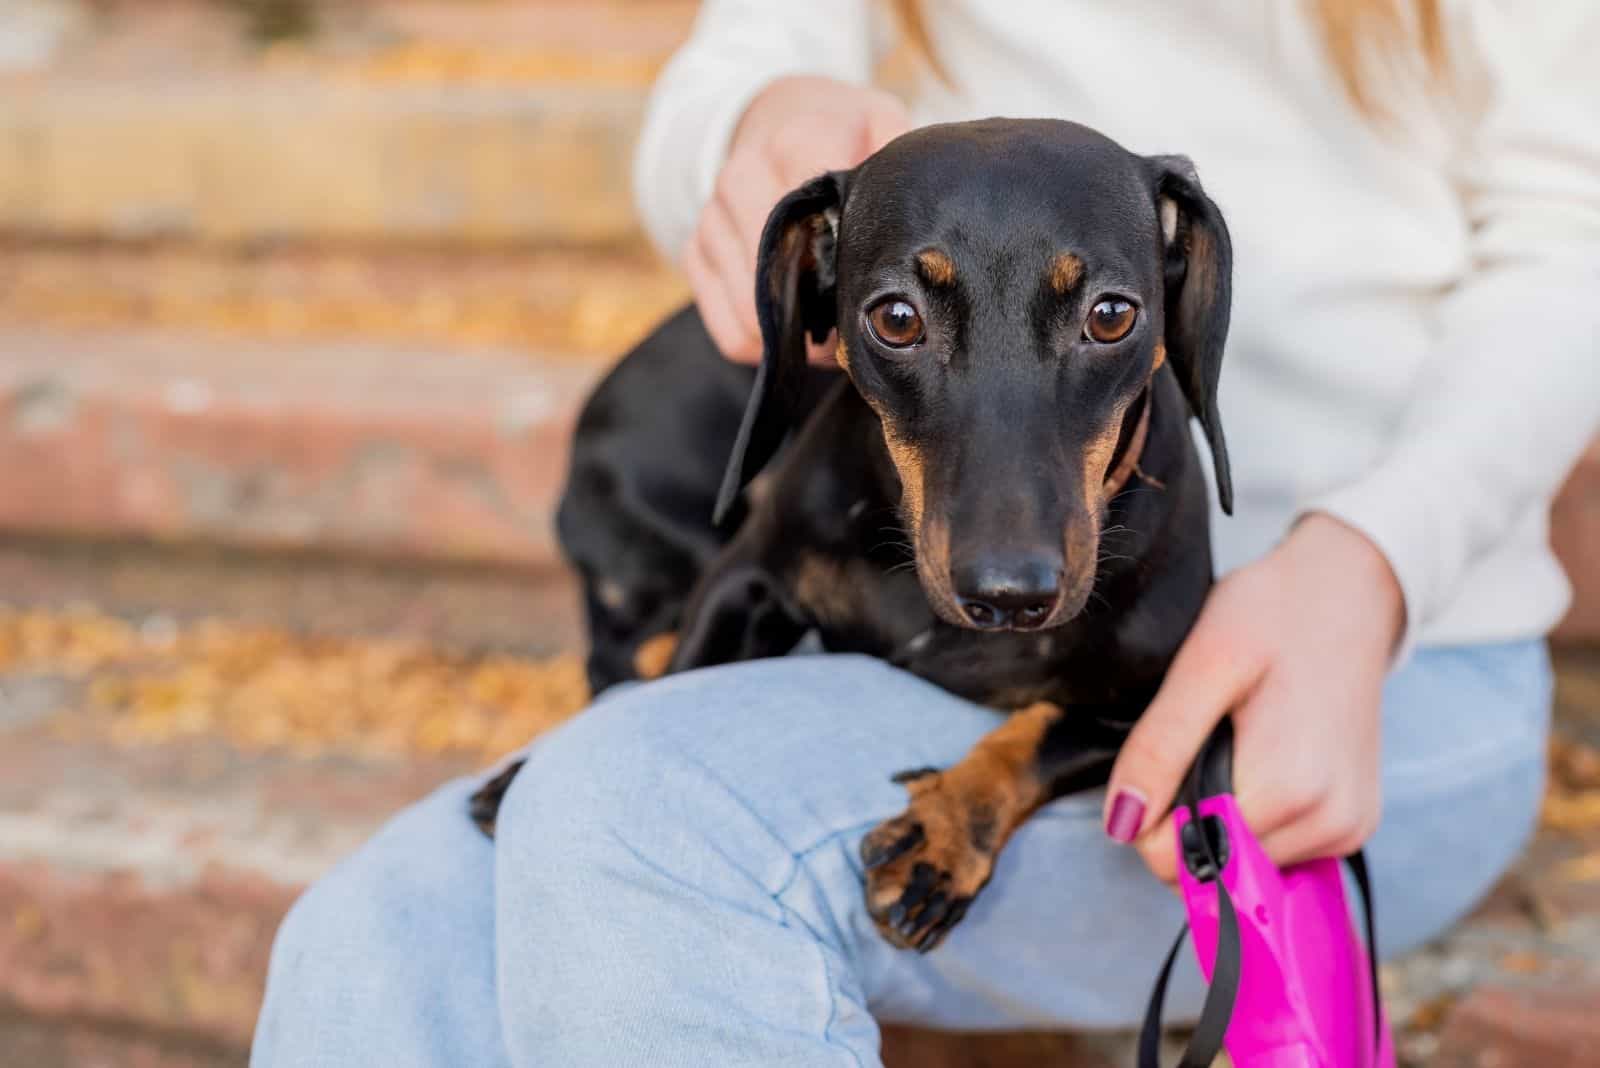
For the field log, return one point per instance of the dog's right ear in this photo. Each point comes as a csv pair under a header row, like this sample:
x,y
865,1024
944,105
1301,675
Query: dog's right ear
x,y
1199,270
794,297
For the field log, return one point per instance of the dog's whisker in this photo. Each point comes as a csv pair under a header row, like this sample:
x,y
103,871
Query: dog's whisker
x,y
903,546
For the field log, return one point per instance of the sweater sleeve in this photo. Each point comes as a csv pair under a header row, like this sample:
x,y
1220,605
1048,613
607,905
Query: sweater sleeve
x,y
736,48
1511,393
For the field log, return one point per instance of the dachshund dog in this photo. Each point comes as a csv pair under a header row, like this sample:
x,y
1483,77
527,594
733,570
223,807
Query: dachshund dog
x,y
1000,493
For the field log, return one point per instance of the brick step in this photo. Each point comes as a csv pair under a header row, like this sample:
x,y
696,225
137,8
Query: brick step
x,y
584,303
71,1043
167,786
376,449
141,885
415,121
472,609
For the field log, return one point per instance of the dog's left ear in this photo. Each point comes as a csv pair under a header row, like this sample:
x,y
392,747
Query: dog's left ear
x,y
794,297
1199,269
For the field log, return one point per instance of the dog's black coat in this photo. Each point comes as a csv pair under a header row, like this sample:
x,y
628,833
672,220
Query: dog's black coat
x,y
1006,417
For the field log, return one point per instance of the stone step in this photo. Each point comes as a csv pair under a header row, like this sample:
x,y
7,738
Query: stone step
x,y
70,1043
167,786
494,123
141,884
285,156
588,304
468,608
383,450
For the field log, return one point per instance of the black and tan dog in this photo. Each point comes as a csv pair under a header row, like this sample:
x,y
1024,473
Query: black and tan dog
x,y
999,495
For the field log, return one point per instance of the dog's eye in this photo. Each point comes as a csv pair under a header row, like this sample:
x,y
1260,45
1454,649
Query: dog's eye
x,y
895,323
1110,320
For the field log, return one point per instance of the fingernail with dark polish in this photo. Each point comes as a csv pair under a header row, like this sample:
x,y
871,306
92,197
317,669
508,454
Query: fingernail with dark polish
x,y
1125,816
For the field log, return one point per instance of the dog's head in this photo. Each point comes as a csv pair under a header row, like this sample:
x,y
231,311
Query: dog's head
x,y
1004,292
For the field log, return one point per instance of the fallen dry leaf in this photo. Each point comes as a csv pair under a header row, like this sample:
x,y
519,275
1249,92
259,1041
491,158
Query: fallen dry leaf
x,y
1571,811
264,688
1585,869
1574,765
1522,963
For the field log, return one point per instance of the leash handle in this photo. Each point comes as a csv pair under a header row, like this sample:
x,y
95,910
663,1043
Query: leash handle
x,y
1213,768
1205,859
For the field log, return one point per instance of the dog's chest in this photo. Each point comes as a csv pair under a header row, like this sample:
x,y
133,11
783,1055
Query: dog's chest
x,y
999,670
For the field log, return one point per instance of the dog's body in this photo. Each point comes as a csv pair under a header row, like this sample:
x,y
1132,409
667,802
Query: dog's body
x,y
1003,498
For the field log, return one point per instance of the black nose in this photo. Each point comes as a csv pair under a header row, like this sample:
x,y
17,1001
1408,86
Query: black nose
x,y
1020,592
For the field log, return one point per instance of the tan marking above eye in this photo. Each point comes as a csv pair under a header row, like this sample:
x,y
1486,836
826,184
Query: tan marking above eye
x,y
1110,320
1066,271
895,322
936,268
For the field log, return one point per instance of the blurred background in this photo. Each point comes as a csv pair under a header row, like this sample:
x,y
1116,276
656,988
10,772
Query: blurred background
x,y
297,300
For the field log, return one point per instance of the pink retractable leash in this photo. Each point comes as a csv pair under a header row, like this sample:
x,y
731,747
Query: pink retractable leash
x,y
1292,985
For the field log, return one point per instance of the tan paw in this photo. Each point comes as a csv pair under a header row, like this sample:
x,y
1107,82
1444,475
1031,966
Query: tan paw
x,y
925,866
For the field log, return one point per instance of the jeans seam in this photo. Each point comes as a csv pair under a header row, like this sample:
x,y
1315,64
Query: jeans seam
x,y
833,1000
744,804
798,861
795,863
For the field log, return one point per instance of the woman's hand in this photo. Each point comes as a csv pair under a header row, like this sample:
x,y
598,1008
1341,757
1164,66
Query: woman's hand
x,y
1296,646
795,129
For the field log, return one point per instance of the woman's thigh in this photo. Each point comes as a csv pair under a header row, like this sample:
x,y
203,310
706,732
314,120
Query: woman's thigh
x,y
783,765
389,959
763,777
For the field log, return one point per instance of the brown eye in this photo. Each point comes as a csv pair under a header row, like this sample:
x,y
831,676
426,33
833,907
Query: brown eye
x,y
895,323
1110,320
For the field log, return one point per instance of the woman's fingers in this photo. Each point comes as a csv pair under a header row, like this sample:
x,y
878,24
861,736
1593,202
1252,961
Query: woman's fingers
x,y
886,119
747,189
1158,848
1215,669
793,130
716,308
1338,825
733,254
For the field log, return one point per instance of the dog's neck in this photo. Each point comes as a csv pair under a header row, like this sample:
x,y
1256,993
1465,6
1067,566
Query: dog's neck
x,y
1127,462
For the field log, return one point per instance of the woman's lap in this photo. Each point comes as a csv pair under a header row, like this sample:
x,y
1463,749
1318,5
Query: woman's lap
x,y
389,959
676,870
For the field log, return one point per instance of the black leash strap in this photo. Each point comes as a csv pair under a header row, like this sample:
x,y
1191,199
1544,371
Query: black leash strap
x,y
1357,862
1212,1027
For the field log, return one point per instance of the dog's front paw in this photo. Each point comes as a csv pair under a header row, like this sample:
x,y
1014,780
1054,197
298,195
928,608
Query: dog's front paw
x,y
925,866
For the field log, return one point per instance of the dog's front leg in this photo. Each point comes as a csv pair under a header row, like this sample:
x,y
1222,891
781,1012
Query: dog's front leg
x,y
926,865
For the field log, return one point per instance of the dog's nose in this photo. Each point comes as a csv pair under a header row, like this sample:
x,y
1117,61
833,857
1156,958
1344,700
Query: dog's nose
x,y
1018,592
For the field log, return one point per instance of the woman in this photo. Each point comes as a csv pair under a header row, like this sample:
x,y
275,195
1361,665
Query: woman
x,y
1414,193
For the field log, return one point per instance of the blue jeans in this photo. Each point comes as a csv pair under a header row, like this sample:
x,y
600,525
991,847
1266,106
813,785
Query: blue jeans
x,y
676,882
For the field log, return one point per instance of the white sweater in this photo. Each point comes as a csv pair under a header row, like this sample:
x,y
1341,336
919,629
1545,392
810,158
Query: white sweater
x,y
1415,344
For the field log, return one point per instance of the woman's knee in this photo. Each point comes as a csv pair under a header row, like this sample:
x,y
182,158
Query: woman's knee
x,y
616,783
1464,739
405,922
1439,854
781,752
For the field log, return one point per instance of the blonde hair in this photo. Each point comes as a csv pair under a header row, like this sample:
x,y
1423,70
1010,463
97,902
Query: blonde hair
x,y
1359,36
